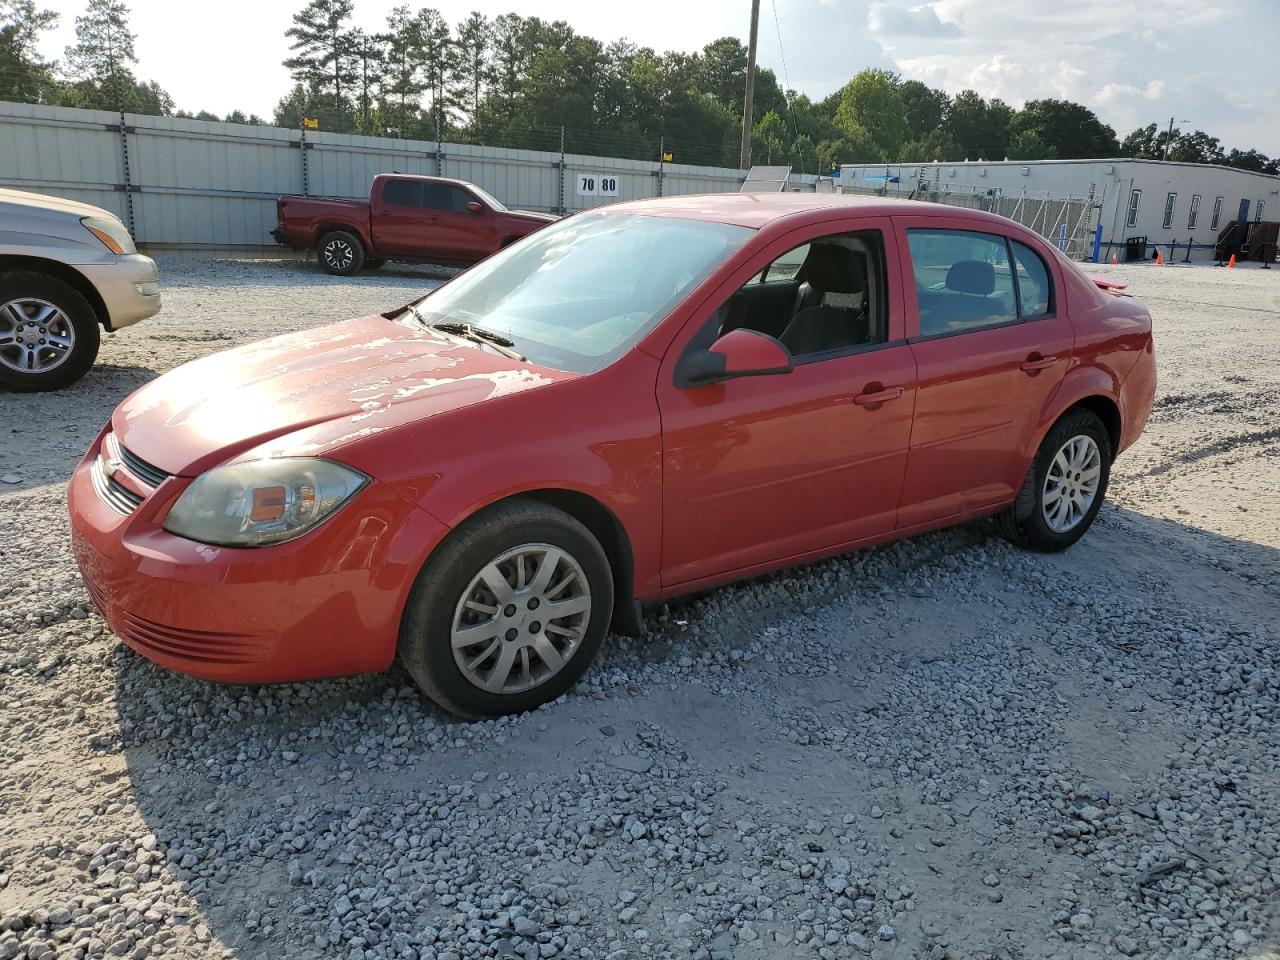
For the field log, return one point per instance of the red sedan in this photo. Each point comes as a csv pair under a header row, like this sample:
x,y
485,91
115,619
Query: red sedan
x,y
633,403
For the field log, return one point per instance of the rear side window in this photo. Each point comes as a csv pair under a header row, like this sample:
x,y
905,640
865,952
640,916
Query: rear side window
x,y
442,196
1035,290
402,193
963,280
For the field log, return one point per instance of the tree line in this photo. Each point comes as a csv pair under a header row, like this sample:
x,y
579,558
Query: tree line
x,y
526,82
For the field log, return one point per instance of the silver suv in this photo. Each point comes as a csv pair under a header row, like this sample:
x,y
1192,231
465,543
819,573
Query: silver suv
x,y
66,269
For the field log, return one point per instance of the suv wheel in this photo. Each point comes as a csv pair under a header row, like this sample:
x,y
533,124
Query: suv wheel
x,y
341,253
48,332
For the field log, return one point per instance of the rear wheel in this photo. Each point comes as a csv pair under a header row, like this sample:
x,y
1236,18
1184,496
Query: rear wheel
x,y
341,253
1064,488
509,612
48,332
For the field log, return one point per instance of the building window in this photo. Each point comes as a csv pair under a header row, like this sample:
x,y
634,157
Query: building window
x,y
1135,199
1217,213
1257,217
1195,211
1170,202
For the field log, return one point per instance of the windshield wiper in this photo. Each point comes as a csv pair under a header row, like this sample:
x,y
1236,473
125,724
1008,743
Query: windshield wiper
x,y
475,334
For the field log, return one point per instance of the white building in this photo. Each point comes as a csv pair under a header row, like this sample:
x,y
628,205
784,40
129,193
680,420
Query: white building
x,y
1169,203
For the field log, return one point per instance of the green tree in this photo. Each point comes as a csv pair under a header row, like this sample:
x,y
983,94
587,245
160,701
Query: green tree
x,y
25,76
978,129
1196,147
402,85
472,70
1071,129
770,132
99,61
870,102
1027,145
924,109
322,56
369,59
1142,144
437,65
1250,160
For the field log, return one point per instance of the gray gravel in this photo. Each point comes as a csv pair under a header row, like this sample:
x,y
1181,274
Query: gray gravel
x,y
938,748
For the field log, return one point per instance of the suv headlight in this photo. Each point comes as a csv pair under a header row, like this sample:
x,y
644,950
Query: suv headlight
x,y
111,233
262,501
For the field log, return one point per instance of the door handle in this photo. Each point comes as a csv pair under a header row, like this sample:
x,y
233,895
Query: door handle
x,y
1035,363
877,397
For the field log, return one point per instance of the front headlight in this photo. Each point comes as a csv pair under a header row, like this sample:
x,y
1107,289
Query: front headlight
x,y
262,501
112,233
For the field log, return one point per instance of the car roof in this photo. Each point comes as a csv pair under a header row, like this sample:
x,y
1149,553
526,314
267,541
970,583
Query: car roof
x,y
756,210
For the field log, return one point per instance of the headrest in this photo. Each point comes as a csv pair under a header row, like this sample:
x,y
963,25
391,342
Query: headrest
x,y
972,276
832,268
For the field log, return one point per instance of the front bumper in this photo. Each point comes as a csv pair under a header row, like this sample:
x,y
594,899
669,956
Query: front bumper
x,y
326,604
128,285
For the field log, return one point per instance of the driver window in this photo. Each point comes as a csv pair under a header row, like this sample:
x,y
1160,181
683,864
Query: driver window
x,y
821,298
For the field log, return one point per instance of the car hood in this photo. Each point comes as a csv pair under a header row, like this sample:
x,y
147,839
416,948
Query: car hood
x,y
534,216
310,392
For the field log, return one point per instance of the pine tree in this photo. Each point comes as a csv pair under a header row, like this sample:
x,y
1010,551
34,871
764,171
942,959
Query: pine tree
x,y
323,54
24,76
402,85
437,59
99,61
472,69
368,53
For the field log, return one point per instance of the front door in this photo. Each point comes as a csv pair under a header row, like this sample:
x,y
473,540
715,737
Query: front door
x,y
453,232
990,345
761,470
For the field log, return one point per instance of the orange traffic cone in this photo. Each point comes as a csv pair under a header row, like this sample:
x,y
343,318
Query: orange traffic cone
x,y
1159,258
1113,259
1231,264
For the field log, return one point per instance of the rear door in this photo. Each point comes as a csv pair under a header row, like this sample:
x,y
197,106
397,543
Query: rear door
x,y
991,342
397,219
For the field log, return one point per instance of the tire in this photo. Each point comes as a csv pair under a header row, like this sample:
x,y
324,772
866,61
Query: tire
x,y
374,264
1027,522
39,313
340,253
526,533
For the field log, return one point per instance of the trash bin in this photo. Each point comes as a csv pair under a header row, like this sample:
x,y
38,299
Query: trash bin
x,y
1135,248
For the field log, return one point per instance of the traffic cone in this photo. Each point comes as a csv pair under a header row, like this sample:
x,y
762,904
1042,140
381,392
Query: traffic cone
x,y
1159,258
1113,259
1231,264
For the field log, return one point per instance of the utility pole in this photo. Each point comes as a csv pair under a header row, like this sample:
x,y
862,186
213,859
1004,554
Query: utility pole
x,y
744,157
1168,140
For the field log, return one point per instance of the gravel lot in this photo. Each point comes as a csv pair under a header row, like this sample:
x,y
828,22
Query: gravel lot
x,y
939,748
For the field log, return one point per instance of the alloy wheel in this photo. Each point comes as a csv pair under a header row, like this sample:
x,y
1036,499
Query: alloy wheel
x,y
36,336
1071,483
521,619
338,254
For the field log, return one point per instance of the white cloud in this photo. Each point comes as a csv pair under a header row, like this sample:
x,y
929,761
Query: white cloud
x,y
921,21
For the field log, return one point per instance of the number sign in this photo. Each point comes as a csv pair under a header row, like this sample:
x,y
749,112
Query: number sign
x,y
597,185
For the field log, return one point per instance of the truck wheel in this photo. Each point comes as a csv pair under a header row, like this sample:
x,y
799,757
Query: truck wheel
x,y
341,253
48,333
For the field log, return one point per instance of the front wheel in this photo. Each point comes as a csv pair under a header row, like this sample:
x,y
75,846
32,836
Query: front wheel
x,y
509,611
341,253
48,332
1064,488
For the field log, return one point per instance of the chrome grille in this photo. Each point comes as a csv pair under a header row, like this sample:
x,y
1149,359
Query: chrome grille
x,y
149,474
119,497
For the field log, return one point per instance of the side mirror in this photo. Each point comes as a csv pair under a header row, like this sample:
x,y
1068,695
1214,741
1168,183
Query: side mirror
x,y
739,353
475,206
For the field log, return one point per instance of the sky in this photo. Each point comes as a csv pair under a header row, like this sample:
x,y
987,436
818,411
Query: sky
x,y
1207,65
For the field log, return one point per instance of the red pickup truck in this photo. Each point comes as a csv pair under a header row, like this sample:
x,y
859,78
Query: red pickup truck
x,y
405,218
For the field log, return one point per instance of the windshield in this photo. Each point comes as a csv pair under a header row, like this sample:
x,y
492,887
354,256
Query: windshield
x,y
490,200
578,294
